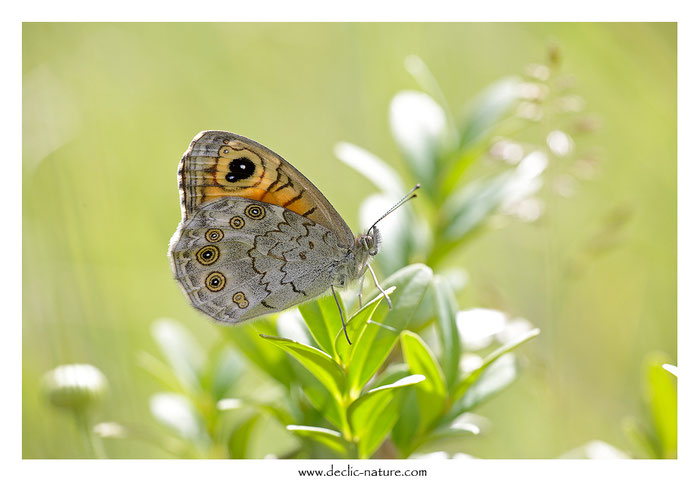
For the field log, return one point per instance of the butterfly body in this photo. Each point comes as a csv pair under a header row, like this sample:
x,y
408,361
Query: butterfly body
x,y
256,236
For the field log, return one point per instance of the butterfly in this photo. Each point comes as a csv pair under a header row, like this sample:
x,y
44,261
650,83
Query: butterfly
x,y
256,236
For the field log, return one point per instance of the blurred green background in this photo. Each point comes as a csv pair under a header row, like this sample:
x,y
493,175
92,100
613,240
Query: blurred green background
x,y
108,110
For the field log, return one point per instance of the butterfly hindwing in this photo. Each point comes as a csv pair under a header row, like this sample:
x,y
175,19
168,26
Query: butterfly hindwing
x,y
238,259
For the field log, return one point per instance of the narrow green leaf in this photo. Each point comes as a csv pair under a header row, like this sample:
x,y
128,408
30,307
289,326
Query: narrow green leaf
x,y
355,326
392,373
368,404
499,374
320,364
487,109
264,355
432,393
374,169
446,310
374,414
484,115
406,428
462,425
228,368
283,416
160,371
330,438
418,125
379,336
463,385
239,440
177,412
469,207
322,399
420,71
640,437
661,395
323,320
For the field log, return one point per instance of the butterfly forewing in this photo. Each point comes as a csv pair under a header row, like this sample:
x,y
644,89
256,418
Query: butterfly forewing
x,y
222,164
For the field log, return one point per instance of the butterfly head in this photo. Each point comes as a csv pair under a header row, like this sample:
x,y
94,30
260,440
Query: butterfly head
x,y
370,242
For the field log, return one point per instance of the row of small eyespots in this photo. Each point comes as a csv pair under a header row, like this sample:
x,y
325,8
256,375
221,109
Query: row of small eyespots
x,y
254,211
216,281
209,254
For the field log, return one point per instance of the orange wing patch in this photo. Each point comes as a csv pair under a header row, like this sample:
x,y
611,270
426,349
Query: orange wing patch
x,y
240,170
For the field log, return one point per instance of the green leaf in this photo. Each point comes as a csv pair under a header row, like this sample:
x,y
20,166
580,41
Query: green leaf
x,y
369,404
160,371
322,400
323,319
374,414
184,355
420,71
418,125
330,438
392,373
320,364
469,380
283,416
406,428
661,395
640,437
462,425
355,326
484,115
469,207
446,310
177,412
239,439
379,336
499,374
264,355
374,169
227,370
487,109
432,393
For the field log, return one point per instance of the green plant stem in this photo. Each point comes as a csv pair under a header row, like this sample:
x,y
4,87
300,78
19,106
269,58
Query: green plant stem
x,y
93,444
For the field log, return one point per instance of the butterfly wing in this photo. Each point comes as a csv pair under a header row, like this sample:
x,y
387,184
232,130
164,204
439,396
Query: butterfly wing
x,y
238,259
222,164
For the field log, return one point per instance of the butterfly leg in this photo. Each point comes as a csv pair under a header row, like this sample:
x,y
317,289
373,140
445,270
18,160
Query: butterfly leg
x,y
362,283
342,319
376,283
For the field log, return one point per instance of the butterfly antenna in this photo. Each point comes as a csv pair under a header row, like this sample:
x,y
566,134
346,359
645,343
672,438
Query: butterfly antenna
x,y
342,319
409,195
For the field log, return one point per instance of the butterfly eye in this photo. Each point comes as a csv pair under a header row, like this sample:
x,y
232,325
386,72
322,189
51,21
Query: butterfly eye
x,y
255,211
214,235
208,255
215,281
